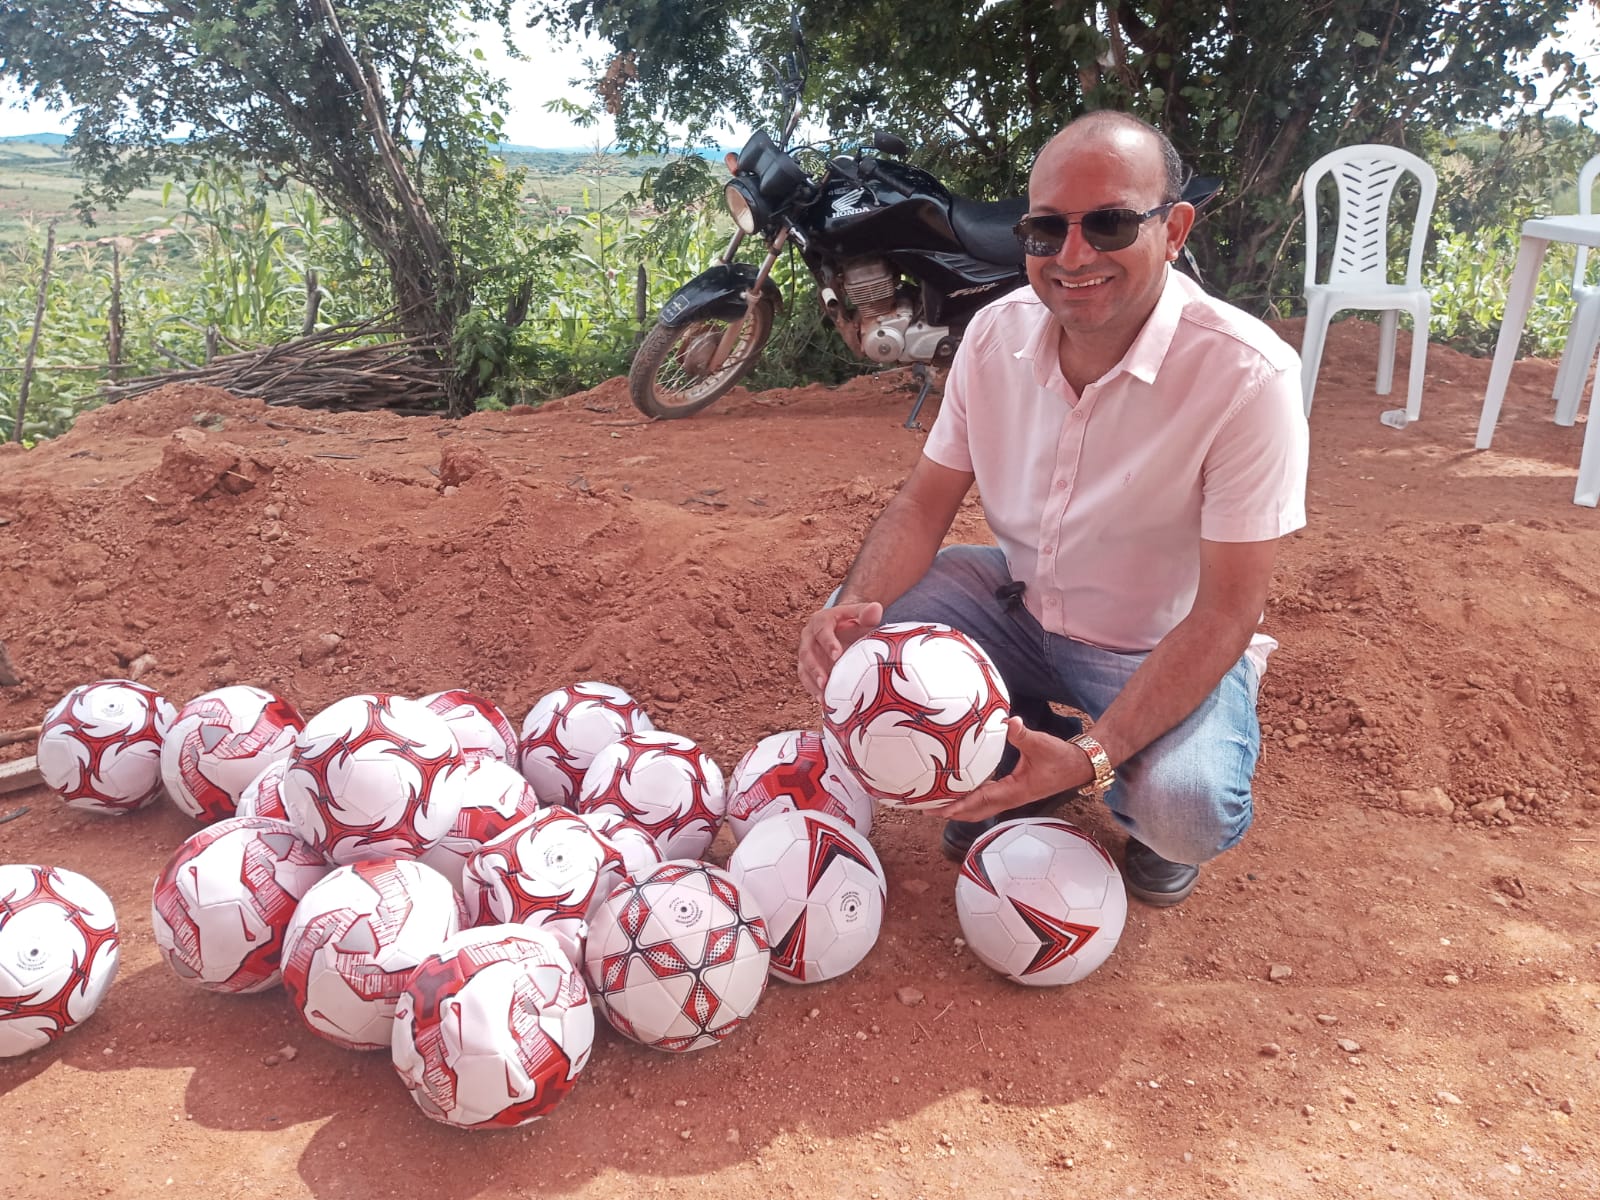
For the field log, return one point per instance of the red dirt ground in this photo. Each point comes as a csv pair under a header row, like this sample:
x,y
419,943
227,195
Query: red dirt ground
x,y
1440,620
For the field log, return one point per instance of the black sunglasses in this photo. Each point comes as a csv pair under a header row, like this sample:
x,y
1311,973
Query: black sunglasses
x,y
1043,236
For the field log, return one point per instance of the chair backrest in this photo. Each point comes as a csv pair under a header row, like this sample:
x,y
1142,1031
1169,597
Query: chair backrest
x,y
1366,176
1585,207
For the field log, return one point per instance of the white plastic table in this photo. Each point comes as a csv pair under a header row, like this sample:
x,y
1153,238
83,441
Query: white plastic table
x,y
1537,235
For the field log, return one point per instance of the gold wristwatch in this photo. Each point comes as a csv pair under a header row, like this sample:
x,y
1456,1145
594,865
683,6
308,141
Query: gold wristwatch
x,y
1104,776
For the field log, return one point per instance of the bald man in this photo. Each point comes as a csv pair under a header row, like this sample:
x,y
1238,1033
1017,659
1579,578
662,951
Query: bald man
x,y
1139,448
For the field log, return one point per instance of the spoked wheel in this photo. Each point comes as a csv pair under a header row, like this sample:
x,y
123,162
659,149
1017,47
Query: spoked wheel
x,y
672,373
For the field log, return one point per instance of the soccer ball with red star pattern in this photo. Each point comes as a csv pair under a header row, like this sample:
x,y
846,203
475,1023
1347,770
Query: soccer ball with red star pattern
x,y
373,777
677,959
221,905
789,771
481,726
916,713
355,937
494,797
100,745
58,954
219,742
566,728
1040,901
664,782
820,888
493,1028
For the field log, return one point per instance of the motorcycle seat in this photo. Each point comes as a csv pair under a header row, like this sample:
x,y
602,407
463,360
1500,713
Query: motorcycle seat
x,y
984,227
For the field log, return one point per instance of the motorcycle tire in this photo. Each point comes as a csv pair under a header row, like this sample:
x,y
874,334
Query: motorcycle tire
x,y
665,381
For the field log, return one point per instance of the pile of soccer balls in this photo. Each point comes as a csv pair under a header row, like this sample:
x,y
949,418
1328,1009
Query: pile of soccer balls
x,y
423,879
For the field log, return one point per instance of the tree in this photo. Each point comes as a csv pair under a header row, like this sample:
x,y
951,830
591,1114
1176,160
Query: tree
x,y
369,102
1250,90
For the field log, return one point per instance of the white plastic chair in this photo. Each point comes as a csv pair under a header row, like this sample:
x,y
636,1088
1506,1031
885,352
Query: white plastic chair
x,y
1584,332
1359,276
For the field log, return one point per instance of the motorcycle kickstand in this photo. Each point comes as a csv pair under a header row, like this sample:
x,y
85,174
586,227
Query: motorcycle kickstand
x,y
919,372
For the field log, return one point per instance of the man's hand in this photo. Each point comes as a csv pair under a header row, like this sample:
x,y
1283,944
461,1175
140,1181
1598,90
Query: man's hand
x,y
825,637
1046,765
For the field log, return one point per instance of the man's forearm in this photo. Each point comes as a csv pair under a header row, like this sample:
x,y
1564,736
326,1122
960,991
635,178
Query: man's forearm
x,y
896,552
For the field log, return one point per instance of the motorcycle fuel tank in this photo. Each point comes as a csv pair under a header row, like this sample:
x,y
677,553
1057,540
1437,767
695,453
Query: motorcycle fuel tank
x,y
881,209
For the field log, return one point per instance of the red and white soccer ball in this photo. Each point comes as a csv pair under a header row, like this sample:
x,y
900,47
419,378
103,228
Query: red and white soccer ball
x,y
566,728
917,713
100,745
493,797
219,742
1040,901
820,888
481,727
355,937
58,954
632,840
221,906
373,777
664,782
260,797
790,771
549,872
677,959
493,1028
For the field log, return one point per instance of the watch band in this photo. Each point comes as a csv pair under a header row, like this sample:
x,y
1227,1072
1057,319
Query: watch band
x,y
1104,775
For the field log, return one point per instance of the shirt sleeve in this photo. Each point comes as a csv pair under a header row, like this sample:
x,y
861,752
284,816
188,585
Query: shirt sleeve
x,y
947,442
1255,472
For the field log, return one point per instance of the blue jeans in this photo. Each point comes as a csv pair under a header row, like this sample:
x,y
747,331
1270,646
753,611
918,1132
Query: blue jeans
x,y
1187,794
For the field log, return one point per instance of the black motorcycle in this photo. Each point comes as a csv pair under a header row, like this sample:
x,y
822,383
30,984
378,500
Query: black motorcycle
x,y
901,265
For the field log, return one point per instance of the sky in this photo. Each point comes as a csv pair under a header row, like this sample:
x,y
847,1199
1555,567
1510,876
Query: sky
x,y
545,77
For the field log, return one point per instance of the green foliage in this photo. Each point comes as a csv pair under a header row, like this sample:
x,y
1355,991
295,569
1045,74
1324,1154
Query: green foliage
x,y
1468,274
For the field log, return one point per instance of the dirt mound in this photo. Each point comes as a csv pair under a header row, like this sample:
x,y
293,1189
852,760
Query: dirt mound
x,y
1421,859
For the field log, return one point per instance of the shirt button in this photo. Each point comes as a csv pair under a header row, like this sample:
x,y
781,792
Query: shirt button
x,y
1061,485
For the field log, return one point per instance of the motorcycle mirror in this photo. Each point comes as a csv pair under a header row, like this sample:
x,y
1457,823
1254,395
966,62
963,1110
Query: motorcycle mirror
x,y
888,143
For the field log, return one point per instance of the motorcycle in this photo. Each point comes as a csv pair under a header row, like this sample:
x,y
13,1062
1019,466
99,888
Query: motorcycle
x,y
901,265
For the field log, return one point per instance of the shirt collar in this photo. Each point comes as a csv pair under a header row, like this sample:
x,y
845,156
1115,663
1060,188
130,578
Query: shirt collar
x,y
1144,357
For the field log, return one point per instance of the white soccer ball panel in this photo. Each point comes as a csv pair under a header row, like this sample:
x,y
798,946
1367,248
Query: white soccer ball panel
x,y
493,797
260,797
59,949
566,728
632,841
219,742
663,782
482,729
787,771
100,746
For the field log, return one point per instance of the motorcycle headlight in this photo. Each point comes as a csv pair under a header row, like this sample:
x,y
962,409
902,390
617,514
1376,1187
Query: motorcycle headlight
x,y
740,206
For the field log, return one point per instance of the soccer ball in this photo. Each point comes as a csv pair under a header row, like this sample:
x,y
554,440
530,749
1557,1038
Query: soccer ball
x,y
494,797
481,727
58,954
1040,901
220,907
493,1028
917,713
260,797
373,777
664,782
100,745
632,840
354,938
678,958
820,888
566,728
549,872
219,742
785,772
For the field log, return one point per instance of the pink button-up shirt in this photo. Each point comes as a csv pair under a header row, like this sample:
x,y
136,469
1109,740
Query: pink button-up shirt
x,y
1100,501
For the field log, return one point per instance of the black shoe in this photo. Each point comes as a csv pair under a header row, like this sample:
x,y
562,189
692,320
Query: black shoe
x,y
1153,879
959,835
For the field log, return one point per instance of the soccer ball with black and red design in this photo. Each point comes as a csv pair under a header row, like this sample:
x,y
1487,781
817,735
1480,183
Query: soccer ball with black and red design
x,y
1040,901
260,797
373,777
790,771
820,888
58,954
493,797
549,872
493,1028
355,937
100,745
631,839
677,959
481,727
916,713
221,906
664,782
219,742
566,728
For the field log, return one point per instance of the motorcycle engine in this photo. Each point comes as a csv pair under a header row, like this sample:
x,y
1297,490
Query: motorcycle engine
x,y
883,328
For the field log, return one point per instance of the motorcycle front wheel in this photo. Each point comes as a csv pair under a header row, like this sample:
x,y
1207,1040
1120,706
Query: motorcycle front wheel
x,y
671,374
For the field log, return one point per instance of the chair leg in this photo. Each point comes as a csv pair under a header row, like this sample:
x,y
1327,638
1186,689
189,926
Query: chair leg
x,y
1311,343
1568,352
1388,326
1588,490
1575,358
1419,362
